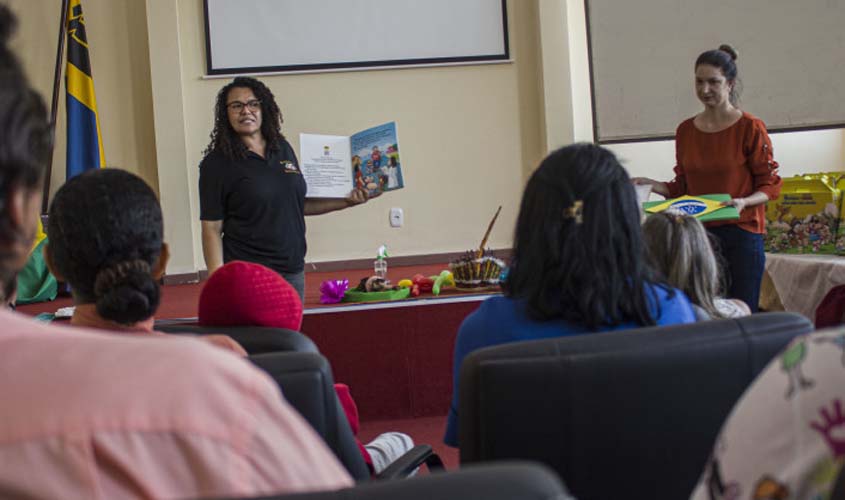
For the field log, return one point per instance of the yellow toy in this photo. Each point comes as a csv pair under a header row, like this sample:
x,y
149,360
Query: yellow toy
x,y
444,279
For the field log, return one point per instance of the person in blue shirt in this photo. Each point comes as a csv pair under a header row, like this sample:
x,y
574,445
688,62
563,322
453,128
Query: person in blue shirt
x,y
578,266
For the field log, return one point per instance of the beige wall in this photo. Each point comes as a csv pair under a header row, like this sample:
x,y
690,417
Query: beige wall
x,y
468,134
118,47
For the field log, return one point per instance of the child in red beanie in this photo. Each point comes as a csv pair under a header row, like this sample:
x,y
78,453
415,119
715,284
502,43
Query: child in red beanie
x,y
247,294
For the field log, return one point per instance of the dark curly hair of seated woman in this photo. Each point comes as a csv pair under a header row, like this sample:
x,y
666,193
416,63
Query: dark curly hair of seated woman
x,y
578,265
578,252
106,241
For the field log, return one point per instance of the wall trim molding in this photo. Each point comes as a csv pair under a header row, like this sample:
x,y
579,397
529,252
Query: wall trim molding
x,y
346,265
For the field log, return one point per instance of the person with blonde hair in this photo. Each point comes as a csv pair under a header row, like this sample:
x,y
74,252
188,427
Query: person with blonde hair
x,y
681,250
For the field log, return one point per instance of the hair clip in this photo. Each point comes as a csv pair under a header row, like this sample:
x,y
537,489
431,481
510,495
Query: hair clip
x,y
576,211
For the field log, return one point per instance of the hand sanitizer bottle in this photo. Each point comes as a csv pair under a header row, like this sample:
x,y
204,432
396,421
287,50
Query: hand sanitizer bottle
x,y
380,264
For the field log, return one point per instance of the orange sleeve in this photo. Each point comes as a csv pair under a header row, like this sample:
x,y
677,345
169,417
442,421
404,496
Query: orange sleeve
x,y
761,161
678,186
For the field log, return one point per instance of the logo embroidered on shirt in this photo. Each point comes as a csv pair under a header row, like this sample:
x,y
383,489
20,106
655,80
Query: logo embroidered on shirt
x,y
289,167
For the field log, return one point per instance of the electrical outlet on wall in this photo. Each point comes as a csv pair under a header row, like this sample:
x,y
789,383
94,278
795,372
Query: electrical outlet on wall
x,y
397,217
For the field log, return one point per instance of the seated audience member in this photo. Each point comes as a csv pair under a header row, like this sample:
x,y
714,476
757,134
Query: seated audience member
x,y
679,248
785,438
247,294
89,415
578,263
106,233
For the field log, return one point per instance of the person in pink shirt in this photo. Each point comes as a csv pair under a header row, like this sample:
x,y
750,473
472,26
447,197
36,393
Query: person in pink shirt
x,y
95,415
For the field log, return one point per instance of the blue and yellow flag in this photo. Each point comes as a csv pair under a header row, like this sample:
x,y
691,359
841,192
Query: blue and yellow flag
x,y
84,141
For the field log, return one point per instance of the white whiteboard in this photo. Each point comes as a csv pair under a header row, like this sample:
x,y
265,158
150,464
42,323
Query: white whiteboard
x,y
791,62
254,36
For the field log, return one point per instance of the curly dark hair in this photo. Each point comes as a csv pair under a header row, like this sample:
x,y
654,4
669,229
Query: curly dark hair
x,y
589,269
25,146
106,232
223,136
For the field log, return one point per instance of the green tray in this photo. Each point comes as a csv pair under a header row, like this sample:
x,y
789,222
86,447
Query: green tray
x,y
725,213
355,296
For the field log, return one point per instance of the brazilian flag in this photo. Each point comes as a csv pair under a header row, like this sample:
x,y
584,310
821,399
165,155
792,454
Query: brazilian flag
x,y
84,141
35,283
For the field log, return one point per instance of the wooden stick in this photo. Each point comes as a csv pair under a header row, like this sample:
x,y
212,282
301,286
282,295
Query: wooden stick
x,y
487,234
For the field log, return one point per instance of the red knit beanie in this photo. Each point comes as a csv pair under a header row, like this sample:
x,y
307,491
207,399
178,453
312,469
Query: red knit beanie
x,y
247,294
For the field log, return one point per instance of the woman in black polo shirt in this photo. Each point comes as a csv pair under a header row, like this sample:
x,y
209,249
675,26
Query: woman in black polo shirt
x,y
252,193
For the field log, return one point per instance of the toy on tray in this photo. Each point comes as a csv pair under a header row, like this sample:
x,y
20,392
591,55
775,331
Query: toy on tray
x,y
425,284
374,289
332,291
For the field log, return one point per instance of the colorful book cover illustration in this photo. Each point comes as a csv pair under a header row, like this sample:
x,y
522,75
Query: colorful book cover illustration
x,y
335,164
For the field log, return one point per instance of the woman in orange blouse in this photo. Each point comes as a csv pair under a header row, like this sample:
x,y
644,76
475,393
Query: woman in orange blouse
x,y
726,150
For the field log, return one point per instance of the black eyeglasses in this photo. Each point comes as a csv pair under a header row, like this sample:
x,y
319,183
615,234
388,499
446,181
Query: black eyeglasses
x,y
238,106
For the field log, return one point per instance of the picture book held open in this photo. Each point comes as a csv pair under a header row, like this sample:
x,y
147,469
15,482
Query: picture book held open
x,y
335,164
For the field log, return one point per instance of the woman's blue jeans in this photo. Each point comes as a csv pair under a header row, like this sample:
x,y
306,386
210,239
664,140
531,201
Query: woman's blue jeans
x,y
743,261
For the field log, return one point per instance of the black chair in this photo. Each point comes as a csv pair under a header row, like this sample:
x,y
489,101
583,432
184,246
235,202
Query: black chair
x,y
255,339
629,414
506,481
305,379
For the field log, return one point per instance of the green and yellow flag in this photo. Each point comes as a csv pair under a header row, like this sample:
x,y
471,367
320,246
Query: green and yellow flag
x,y
35,283
690,205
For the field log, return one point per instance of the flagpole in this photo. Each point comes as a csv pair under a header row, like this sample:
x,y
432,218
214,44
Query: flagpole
x,y
54,110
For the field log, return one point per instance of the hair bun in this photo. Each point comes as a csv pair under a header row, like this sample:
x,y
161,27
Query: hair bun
x,y
126,292
8,24
729,50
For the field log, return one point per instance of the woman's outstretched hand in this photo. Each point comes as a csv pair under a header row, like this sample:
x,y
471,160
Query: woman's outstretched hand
x,y
738,203
656,186
357,197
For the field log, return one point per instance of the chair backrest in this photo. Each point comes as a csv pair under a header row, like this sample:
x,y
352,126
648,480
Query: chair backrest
x,y
505,481
831,310
618,415
306,381
255,339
